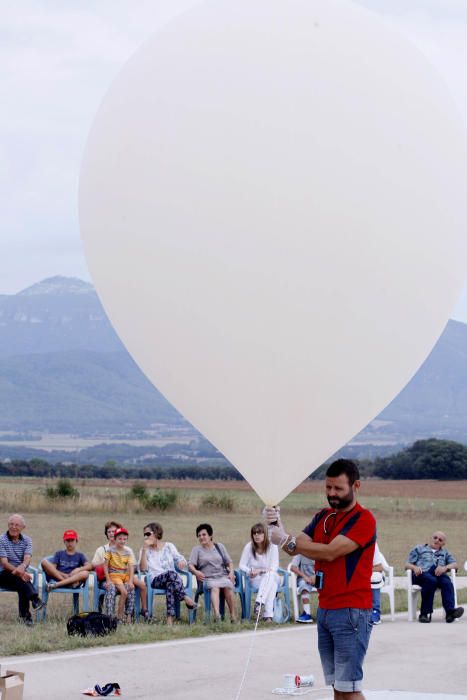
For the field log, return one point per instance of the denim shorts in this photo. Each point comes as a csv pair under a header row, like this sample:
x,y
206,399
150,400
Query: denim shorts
x,y
343,636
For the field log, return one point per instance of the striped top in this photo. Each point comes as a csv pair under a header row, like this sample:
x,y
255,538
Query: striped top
x,y
14,551
119,561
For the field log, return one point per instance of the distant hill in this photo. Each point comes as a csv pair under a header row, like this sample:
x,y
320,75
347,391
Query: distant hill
x,y
79,391
55,315
63,369
434,403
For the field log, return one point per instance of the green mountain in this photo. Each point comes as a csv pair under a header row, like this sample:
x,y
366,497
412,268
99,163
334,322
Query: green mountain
x,y
63,369
79,391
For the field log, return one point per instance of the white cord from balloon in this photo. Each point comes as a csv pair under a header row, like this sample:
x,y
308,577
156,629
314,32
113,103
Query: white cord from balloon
x,y
250,651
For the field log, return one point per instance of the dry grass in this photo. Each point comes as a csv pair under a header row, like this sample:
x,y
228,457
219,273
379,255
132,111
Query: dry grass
x,y
406,513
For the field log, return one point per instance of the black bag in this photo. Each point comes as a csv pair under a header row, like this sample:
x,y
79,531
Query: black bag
x,y
91,624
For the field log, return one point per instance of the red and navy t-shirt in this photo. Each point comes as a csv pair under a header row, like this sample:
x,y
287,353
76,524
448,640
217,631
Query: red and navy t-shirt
x,y
347,578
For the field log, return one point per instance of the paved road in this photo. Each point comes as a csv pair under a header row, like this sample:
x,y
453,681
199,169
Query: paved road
x,y
403,656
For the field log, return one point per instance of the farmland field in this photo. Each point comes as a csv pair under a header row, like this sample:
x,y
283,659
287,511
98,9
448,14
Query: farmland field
x,y
406,511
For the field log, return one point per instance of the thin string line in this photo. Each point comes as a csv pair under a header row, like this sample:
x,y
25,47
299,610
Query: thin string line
x,y
250,652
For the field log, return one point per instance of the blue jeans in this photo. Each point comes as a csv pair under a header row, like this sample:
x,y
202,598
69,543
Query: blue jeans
x,y
429,583
343,637
376,595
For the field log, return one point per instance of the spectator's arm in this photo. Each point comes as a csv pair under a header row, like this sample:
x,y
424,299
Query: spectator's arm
x,y
244,559
98,558
417,570
85,565
106,572
7,566
26,561
192,564
143,560
179,559
131,574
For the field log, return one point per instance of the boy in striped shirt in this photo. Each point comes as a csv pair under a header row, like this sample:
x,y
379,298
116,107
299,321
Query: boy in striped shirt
x,y
119,570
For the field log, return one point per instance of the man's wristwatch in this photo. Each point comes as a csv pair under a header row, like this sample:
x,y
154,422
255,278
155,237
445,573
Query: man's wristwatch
x,y
291,546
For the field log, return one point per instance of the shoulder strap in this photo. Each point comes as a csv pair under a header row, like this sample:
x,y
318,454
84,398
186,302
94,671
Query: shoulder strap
x,y
224,561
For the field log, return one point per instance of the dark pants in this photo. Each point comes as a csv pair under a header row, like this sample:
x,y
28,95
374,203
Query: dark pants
x,y
429,583
25,590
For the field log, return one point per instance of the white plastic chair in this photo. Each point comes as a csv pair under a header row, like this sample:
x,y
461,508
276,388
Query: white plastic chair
x,y
413,591
389,586
294,592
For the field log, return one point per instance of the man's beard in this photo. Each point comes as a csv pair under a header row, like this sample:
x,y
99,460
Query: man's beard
x,y
340,503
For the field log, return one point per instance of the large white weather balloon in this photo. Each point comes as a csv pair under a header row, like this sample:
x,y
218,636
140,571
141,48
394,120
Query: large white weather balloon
x,y
272,202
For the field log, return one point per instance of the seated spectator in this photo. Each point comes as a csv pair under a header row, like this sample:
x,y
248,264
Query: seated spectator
x,y
260,561
119,572
212,565
377,582
98,565
68,567
15,557
429,564
158,558
304,568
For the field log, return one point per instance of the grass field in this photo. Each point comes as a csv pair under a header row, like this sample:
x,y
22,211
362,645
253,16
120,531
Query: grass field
x,y
406,512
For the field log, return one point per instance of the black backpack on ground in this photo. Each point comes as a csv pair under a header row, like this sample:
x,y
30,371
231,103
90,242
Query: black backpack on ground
x,y
91,624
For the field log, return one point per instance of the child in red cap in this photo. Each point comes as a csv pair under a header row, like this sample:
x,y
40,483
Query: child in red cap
x,y
67,567
119,573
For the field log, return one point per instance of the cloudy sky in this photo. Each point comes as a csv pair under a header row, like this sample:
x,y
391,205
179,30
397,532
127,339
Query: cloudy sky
x,y
57,58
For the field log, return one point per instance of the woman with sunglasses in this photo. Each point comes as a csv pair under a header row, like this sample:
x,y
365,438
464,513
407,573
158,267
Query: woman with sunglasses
x,y
260,561
158,559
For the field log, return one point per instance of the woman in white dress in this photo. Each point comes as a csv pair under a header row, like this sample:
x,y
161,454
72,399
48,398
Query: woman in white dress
x,y
260,561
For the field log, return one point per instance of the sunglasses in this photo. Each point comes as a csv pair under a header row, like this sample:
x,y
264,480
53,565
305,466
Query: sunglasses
x,y
439,539
147,534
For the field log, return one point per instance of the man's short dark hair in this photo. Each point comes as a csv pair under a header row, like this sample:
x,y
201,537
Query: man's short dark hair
x,y
344,466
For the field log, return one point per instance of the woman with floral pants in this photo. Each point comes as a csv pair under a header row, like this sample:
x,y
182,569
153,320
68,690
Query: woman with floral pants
x,y
159,558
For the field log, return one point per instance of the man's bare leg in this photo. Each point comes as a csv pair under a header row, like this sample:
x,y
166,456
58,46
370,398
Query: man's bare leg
x,y
69,580
52,571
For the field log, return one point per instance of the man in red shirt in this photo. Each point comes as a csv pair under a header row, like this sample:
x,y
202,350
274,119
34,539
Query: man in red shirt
x,y
341,539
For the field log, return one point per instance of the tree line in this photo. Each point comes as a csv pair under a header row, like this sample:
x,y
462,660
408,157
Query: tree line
x,y
425,459
43,468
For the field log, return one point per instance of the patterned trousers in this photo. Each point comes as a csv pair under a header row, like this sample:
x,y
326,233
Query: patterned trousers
x,y
109,601
171,582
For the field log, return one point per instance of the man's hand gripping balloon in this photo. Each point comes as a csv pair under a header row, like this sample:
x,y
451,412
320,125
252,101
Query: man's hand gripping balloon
x,y
276,530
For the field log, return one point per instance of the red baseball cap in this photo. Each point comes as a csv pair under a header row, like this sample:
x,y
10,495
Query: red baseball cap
x,y
70,535
121,531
